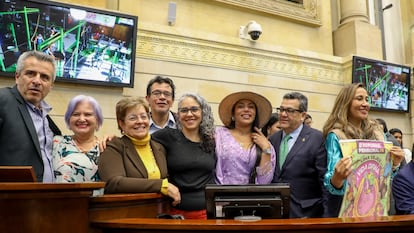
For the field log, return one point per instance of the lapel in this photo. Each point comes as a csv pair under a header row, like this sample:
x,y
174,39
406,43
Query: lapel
x,y
27,119
298,146
132,154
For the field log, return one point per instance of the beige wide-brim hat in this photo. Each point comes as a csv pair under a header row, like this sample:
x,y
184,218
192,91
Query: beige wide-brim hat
x,y
263,107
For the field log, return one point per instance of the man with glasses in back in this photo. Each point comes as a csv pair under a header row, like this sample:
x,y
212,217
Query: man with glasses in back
x,y
300,158
160,96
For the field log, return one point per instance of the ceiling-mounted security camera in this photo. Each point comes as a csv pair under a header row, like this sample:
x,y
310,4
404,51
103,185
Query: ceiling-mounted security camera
x,y
252,30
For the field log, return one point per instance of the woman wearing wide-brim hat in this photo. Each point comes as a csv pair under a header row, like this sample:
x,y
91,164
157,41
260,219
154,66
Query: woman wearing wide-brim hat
x,y
244,155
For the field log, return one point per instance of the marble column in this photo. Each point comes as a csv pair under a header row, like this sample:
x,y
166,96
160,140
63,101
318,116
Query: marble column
x,y
409,141
353,10
355,35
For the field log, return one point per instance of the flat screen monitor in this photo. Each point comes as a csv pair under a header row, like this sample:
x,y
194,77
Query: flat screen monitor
x,y
388,84
90,46
246,201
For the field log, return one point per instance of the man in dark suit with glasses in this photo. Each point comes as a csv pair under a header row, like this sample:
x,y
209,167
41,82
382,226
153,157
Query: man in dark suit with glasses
x,y
300,158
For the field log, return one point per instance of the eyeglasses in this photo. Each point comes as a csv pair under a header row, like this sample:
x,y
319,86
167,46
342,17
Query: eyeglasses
x,y
193,110
134,118
287,110
159,93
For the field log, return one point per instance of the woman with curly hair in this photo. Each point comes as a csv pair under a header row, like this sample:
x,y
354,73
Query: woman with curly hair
x,y
190,154
349,120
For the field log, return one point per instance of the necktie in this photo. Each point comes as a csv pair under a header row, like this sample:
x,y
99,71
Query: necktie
x,y
284,149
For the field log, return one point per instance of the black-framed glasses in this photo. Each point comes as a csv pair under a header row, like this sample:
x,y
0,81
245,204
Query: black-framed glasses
x,y
158,94
287,110
193,110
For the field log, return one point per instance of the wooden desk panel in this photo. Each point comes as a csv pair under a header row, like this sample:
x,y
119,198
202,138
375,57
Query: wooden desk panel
x,y
316,225
17,174
139,205
45,207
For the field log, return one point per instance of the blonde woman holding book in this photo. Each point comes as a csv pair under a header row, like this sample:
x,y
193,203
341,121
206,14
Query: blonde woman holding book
x,y
349,120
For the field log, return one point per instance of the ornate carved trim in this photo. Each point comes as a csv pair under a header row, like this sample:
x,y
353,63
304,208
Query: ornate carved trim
x,y
307,13
199,52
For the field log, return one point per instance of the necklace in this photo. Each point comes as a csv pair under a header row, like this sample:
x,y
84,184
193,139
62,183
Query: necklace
x,y
85,146
244,139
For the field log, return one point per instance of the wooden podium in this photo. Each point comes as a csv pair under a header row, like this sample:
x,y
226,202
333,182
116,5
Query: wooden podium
x,y
69,207
45,207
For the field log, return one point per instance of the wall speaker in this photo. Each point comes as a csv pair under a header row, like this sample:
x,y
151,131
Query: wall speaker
x,y
172,11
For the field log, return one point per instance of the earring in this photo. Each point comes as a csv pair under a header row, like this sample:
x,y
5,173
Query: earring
x,y
232,118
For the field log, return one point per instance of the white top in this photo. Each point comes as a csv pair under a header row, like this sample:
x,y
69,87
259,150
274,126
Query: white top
x,y
407,155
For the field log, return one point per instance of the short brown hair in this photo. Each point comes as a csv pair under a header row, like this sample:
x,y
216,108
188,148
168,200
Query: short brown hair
x,y
126,103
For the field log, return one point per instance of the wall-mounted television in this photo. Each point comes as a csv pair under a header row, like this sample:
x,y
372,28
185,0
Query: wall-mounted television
x,y
388,84
90,46
269,201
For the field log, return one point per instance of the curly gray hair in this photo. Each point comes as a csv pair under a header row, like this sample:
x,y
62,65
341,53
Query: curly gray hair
x,y
206,129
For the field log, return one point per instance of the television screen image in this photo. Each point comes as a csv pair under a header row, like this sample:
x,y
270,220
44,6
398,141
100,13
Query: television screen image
x,y
387,84
249,202
90,46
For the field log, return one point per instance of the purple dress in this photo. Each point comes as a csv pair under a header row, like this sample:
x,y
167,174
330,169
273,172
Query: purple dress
x,y
234,163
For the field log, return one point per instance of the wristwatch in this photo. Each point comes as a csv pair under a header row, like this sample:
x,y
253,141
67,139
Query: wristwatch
x,y
267,151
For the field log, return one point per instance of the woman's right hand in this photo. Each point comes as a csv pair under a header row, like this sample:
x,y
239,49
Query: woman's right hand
x,y
174,193
104,140
342,171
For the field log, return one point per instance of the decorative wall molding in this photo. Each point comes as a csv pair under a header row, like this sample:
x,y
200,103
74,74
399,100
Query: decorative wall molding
x,y
199,52
307,13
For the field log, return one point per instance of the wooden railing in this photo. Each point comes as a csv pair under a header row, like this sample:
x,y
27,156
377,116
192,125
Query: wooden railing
x,y
314,225
68,208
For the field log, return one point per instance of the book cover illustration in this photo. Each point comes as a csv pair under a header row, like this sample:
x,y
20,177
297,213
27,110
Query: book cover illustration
x,y
367,191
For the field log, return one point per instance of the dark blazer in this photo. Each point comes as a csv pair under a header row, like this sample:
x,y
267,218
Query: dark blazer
x,y
391,138
403,190
304,170
19,144
123,170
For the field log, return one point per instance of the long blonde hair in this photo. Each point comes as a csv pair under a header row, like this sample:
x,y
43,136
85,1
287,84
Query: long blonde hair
x,y
338,119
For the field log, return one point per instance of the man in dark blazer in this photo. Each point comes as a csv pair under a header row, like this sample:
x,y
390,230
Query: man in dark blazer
x,y
305,163
403,189
26,131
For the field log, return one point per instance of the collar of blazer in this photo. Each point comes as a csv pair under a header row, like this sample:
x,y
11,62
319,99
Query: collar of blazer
x,y
157,149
